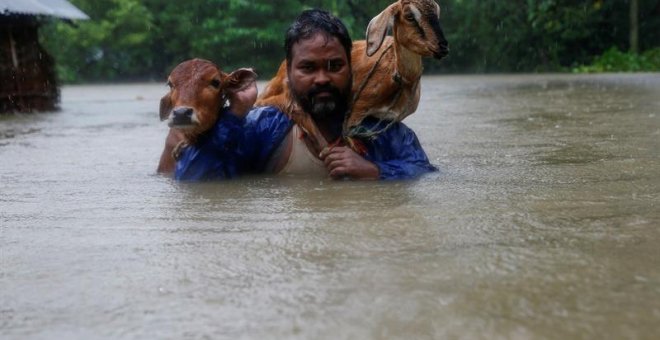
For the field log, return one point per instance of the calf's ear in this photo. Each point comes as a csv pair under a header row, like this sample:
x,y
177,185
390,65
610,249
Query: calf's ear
x,y
165,107
240,79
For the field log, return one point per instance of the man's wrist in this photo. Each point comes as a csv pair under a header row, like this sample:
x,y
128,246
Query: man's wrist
x,y
239,111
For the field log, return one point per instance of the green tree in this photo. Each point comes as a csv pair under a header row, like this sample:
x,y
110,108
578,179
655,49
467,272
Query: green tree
x,y
114,42
145,39
246,33
518,35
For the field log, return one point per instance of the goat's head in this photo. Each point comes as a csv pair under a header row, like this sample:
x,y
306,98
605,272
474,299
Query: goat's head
x,y
198,90
415,25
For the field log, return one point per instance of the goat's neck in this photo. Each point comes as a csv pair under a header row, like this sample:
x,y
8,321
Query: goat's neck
x,y
408,64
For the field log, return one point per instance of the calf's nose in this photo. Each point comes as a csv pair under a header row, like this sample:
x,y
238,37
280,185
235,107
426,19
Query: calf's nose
x,y
182,116
183,111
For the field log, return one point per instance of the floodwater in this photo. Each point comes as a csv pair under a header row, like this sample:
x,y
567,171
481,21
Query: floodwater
x,y
544,223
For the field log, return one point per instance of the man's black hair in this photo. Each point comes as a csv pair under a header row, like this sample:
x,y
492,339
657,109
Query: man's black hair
x,y
311,22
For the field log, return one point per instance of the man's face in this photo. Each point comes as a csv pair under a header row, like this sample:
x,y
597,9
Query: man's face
x,y
320,76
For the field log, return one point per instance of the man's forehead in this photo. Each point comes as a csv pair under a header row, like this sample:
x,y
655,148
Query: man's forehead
x,y
319,42
321,36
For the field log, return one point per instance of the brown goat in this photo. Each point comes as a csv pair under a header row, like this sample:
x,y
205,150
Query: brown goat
x,y
385,85
198,91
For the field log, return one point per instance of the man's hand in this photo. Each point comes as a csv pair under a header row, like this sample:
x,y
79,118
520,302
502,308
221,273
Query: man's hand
x,y
240,102
343,161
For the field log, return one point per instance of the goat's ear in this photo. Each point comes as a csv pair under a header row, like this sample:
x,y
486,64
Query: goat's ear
x,y
378,26
165,107
240,79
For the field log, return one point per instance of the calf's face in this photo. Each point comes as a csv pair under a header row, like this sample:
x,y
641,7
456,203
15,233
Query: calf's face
x,y
198,89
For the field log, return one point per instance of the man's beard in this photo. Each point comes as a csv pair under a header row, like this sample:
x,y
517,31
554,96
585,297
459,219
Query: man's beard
x,y
326,107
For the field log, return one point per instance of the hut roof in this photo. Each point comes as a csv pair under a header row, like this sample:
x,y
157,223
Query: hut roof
x,y
55,8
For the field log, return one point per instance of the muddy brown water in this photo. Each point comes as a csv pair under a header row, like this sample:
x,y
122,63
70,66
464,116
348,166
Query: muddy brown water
x,y
543,223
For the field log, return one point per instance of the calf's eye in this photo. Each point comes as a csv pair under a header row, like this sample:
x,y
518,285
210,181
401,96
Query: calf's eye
x,y
215,83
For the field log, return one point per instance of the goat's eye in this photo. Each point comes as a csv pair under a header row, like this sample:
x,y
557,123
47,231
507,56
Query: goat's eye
x,y
215,83
409,17
169,84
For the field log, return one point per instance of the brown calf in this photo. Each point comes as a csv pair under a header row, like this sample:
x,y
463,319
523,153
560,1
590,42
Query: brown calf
x,y
198,91
385,85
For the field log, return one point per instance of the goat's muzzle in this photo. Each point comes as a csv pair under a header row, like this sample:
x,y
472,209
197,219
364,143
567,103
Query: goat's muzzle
x,y
442,52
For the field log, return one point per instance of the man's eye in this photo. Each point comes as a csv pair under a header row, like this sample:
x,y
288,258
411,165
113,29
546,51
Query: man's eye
x,y
215,83
335,66
306,68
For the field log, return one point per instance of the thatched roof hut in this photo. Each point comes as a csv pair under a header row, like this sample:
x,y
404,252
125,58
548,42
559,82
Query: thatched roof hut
x,y
27,75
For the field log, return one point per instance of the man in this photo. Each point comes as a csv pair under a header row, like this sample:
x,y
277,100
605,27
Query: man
x,y
265,140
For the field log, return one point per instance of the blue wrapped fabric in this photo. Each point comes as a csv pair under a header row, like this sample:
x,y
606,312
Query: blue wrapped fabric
x,y
237,146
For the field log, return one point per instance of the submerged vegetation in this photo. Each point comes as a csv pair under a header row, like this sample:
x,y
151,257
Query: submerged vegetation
x,y
144,39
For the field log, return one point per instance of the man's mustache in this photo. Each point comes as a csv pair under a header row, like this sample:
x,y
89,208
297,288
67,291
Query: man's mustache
x,y
316,89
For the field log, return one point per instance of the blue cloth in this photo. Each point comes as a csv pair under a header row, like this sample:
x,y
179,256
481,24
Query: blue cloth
x,y
237,146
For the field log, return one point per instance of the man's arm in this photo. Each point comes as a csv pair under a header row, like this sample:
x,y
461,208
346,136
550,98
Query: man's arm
x,y
214,155
395,154
398,154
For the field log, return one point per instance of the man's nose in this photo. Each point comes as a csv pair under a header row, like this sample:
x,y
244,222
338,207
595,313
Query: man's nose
x,y
321,77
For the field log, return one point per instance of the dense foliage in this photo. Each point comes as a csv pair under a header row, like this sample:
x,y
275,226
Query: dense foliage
x,y
144,39
614,60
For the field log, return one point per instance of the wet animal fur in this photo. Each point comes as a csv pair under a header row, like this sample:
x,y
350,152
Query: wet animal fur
x,y
385,84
